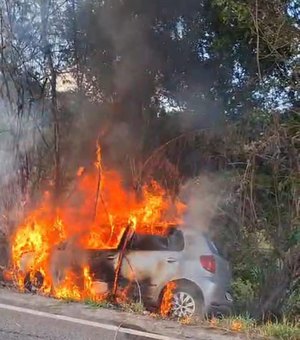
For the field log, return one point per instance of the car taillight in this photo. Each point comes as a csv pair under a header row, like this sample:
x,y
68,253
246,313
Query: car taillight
x,y
208,262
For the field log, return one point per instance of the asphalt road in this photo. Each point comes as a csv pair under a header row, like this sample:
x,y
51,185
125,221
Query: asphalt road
x,y
16,325
27,316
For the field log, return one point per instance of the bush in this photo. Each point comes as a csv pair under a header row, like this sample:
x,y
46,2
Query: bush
x,y
282,330
291,307
243,293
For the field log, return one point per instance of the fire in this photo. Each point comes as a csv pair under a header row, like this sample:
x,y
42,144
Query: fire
x,y
166,304
236,326
68,289
93,217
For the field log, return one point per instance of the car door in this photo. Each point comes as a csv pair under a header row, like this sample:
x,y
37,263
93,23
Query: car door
x,y
153,260
103,264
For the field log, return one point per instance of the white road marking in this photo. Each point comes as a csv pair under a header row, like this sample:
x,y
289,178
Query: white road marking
x,y
86,322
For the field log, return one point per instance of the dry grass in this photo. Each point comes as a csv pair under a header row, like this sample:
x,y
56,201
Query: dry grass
x,y
242,324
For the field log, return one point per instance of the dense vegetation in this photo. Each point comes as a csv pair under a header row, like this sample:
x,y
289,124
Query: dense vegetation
x,y
174,90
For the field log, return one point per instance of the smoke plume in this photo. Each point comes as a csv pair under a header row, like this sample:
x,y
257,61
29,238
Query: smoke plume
x,y
202,196
18,137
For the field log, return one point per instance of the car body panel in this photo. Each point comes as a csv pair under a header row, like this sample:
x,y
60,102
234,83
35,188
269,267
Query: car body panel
x,y
152,261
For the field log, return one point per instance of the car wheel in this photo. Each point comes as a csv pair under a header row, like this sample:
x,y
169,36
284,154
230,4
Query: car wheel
x,y
187,301
33,282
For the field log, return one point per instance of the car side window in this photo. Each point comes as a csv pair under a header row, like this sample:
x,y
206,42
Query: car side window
x,y
171,242
176,240
148,242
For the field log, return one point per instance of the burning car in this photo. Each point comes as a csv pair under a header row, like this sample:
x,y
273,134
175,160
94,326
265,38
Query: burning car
x,y
106,241
181,261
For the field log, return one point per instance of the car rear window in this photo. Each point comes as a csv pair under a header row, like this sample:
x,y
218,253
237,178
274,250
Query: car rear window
x,y
172,242
176,240
212,246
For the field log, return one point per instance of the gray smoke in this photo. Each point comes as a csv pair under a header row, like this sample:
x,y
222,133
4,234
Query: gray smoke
x,y
17,137
203,195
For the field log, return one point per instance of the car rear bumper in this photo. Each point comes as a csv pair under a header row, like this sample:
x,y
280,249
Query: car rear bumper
x,y
216,295
222,306
219,309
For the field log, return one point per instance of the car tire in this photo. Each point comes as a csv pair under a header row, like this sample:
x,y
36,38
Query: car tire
x,y
34,282
187,301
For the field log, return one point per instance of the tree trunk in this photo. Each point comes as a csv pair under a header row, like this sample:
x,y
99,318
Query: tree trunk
x,y
45,7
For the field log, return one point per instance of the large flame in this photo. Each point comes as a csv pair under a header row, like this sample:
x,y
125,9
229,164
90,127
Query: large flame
x,y
94,217
167,300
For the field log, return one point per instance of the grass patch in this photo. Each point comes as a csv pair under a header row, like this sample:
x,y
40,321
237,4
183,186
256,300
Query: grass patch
x,y
130,307
282,330
133,307
245,324
235,323
98,304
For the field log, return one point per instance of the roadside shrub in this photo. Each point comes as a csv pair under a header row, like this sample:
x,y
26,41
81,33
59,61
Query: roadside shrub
x,y
282,331
291,307
243,293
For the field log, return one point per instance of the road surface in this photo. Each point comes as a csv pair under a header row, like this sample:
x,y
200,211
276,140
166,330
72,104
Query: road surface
x,y
26,316
19,325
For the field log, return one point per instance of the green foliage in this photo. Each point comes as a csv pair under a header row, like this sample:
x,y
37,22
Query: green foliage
x,y
231,9
291,307
243,292
130,307
282,330
98,304
294,238
221,63
245,322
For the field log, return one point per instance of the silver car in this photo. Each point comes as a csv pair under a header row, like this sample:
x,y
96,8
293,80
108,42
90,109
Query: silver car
x,y
148,263
190,260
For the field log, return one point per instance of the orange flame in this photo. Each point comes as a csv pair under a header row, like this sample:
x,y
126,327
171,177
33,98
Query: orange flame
x,y
68,289
166,304
236,326
88,225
